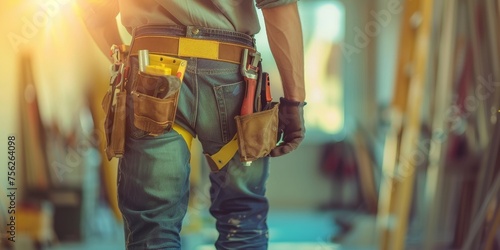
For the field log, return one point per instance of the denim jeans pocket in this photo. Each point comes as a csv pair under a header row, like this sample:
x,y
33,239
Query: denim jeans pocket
x,y
228,98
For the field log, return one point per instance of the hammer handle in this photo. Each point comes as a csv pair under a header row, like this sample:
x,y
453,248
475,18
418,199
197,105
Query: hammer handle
x,y
247,105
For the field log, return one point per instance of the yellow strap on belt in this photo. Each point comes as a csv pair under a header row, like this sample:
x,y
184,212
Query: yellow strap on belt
x,y
189,47
224,155
188,138
217,160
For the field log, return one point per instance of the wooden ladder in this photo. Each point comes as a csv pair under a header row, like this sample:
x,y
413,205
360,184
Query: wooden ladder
x,y
398,169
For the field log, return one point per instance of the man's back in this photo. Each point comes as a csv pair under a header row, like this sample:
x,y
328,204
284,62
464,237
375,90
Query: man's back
x,y
235,15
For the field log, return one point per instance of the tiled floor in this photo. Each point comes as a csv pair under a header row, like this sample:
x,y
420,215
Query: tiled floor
x,y
289,230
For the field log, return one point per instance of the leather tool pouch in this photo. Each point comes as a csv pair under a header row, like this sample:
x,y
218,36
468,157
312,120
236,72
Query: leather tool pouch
x,y
114,124
257,133
155,101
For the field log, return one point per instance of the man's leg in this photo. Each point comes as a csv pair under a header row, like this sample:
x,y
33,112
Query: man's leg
x,y
237,192
153,186
240,206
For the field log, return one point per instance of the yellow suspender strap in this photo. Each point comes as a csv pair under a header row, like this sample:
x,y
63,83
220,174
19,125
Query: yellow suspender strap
x,y
217,160
224,155
188,138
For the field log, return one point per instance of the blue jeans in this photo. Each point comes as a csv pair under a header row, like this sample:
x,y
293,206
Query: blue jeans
x,y
153,175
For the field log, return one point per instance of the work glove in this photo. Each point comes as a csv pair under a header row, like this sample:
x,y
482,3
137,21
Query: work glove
x,y
290,125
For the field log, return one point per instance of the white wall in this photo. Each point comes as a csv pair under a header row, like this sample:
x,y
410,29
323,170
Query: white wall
x,y
387,44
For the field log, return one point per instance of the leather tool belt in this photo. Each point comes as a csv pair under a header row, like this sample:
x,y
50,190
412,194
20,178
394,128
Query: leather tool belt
x,y
114,104
190,47
257,132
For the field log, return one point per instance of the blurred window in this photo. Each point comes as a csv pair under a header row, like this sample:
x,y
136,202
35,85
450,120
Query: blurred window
x,y
323,25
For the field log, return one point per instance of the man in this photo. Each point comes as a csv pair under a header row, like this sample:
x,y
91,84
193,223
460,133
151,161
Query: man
x,y
153,173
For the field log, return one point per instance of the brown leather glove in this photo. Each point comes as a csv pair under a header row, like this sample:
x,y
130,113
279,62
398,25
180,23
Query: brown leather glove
x,y
291,125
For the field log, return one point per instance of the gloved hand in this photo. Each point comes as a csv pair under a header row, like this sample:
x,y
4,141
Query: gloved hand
x,y
291,124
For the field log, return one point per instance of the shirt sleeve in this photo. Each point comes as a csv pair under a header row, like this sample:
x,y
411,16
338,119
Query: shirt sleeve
x,y
263,4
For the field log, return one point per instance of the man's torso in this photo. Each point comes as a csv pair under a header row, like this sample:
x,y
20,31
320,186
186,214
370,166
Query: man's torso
x,y
236,15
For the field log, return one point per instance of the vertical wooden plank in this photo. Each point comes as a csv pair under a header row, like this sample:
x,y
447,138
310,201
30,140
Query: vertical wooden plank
x,y
486,66
389,183
399,169
411,130
33,156
492,230
442,102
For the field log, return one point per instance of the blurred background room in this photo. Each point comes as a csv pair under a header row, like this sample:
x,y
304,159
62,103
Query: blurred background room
x,y
402,137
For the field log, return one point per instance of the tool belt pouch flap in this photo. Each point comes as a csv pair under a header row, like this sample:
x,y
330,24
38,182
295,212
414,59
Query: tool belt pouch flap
x,y
114,123
257,133
155,102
